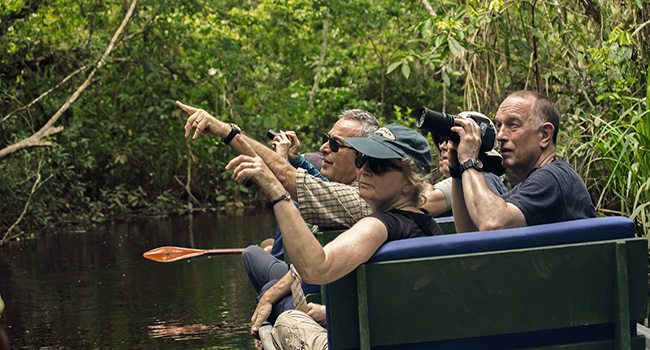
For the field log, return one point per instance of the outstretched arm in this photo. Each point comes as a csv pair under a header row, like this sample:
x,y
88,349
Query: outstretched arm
x,y
202,122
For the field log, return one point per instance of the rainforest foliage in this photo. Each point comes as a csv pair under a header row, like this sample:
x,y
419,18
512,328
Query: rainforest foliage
x,y
117,148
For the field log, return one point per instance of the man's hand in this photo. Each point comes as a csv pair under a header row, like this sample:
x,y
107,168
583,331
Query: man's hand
x,y
470,140
261,314
202,122
281,144
294,151
317,313
287,145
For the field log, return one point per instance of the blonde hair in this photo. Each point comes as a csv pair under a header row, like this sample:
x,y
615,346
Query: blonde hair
x,y
417,179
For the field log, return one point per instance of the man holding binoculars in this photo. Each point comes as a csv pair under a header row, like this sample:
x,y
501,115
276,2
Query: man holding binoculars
x,y
547,190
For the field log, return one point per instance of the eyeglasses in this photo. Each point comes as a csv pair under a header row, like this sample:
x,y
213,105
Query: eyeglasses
x,y
376,166
335,144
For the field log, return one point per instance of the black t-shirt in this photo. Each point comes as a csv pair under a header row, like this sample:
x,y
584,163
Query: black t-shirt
x,y
402,224
552,193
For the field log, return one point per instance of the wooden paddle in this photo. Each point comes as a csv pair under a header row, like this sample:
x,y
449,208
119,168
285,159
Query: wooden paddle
x,y
169,253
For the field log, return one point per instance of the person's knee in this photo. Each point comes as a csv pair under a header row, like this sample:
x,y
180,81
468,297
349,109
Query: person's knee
x,y
296,330
248,255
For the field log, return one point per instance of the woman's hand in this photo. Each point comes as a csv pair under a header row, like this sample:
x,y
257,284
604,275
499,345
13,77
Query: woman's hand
x,y
254,168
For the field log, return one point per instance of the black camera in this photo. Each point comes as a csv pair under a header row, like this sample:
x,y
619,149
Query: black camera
x,y
271,134
439,125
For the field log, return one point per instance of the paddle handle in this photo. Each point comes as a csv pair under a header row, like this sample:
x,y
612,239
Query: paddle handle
x,y
223,251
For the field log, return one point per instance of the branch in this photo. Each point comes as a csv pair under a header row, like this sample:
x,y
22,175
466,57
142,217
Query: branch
x,y
48,129
126,38
321,62
43,94
427,5
6,237
186,186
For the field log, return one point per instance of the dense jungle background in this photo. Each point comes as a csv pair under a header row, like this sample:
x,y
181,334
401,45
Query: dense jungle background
x,y
89,131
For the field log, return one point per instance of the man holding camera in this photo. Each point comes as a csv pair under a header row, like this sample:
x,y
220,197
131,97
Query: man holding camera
x,y
548,189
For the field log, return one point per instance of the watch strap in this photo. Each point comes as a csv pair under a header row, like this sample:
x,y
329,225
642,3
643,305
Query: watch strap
x,y
470,163
234,130
284,197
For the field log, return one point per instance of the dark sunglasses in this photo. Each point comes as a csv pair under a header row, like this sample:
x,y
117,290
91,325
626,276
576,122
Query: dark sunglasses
x,y
335,144
376,166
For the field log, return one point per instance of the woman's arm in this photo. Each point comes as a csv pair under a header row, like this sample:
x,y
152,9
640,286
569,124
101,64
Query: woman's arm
x,y
321,265
316,264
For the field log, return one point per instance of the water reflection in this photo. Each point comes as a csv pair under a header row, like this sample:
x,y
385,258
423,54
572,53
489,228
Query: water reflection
x,y
95,290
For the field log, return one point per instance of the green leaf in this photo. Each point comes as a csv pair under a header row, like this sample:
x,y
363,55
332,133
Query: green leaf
x,y
445,78
406,70
393,66
455,47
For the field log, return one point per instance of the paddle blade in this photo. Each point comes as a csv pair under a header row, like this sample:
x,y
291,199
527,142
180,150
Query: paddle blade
x,y
169,254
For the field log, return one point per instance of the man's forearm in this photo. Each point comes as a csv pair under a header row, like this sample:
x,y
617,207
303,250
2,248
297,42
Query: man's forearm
x,y
484,207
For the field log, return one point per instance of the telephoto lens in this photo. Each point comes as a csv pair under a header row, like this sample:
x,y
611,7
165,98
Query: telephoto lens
x,y
271,134
439,125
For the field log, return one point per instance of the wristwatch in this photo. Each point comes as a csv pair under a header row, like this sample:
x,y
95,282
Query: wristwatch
x,y
284,197
234,130
471,163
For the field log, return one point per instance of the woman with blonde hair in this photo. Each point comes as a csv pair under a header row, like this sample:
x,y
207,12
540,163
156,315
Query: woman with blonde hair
x,y
391,165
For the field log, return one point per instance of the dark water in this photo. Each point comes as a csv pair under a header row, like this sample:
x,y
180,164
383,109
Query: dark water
x,y
93,289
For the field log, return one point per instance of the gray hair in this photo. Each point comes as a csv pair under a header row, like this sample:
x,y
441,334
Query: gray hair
x,y
543,110
370,123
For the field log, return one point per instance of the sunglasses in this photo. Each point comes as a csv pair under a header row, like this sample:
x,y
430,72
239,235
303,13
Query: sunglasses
x,y
376,166
335,144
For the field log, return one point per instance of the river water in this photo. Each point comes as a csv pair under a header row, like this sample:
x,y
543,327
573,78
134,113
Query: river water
x,y
91,288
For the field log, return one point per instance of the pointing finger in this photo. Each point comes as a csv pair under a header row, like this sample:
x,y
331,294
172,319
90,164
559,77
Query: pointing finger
x,y
186,108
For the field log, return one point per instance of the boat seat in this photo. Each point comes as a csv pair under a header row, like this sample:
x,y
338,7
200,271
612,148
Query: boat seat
x,y
571,285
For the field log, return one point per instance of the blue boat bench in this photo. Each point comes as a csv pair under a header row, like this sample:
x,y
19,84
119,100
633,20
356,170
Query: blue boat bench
x,y
573,285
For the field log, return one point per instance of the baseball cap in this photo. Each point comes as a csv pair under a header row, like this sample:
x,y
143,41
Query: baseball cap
x,y
395,141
